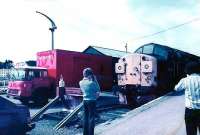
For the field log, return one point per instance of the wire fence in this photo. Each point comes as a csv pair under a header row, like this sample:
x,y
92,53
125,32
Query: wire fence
x,y
4,79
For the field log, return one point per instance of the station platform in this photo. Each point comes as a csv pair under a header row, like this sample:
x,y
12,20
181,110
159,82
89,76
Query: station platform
x,y
162,116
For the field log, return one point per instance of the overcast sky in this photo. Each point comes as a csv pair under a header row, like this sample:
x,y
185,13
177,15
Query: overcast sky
x,y
105,23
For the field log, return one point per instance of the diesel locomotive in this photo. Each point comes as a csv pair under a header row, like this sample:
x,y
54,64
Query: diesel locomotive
x,y
151,71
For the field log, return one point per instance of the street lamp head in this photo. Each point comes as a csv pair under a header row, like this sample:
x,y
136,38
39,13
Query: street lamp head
x,y
53,27
52,22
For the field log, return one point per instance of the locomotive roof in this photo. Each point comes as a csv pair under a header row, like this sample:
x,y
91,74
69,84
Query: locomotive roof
x,y
105,51
169,48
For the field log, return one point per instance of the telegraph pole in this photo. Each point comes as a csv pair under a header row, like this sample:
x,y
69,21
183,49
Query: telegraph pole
x,y
126,47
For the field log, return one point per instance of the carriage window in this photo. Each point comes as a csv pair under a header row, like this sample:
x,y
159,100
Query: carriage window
x,y
139,50
148,49
162,52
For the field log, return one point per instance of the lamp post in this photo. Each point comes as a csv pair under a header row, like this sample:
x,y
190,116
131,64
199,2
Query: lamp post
x,y
52,28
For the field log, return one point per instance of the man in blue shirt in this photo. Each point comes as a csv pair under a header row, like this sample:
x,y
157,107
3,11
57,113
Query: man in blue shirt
x,y
91,90
191,85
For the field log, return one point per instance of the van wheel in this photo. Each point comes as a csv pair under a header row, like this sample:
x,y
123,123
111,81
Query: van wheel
x,y
39,97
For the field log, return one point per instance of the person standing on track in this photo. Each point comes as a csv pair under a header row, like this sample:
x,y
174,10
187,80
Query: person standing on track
x,y
62,92
191,85
91,90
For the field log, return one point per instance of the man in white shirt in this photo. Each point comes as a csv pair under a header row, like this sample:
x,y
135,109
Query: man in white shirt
x,y
62,93
191,85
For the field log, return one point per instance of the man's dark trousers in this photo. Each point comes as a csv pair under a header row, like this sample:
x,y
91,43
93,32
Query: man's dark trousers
x,y
62,97
192,121
89,117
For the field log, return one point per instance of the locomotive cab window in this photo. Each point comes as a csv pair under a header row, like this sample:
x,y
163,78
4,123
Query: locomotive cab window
x,y
148,49
161,52
139,50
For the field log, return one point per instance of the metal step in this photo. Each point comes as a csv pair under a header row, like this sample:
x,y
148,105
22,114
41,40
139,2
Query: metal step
x,y
68,117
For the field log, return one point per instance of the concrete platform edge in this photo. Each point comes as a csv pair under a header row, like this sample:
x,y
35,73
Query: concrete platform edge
x,y
110,125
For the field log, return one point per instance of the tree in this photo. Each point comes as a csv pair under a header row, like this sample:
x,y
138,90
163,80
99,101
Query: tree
x,y
8,64
31,63
1,65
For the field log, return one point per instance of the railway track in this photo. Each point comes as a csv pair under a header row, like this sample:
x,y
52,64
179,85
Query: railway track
x,y
104,115
48,122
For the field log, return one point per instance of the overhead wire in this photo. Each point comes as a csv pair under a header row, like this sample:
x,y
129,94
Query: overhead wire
x,y
165,30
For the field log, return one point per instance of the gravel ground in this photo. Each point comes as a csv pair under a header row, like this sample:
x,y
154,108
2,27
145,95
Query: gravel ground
x,y
45,127
46,124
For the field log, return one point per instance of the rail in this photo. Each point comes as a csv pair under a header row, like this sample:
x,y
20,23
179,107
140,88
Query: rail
x,y
68,117
43,109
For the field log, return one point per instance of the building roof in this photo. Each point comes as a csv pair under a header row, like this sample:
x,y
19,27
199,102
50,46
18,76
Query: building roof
x,y
105,51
